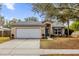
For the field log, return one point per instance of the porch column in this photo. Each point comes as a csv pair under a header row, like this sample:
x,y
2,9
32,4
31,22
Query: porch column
x,y
51,30
63,30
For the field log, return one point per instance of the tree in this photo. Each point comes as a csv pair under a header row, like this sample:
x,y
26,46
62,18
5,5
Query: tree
x,y
2,20
9,23
19,20
31,19
69,11
75,25
14,20
63,11
65,14
45,9
6,24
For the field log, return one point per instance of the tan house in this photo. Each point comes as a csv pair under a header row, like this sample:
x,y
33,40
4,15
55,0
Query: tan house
x,y
53,28
33,29
28,29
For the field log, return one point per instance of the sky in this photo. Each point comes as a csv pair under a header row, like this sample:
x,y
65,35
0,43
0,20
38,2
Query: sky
x,y
18,10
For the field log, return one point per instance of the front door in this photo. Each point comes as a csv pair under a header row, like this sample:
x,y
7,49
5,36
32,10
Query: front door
x,y
47,30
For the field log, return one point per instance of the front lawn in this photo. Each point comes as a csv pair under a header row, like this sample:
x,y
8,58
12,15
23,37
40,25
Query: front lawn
x,y
3,39
60,43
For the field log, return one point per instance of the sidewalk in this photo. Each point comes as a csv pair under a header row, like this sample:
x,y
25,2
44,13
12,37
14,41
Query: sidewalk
x,y
36,52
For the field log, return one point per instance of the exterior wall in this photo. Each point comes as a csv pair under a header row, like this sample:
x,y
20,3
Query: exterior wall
x,y
50,32
43,30
51,29
63,31
13,31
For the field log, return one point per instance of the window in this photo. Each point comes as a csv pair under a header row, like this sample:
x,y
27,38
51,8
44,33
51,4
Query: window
x,y
57,31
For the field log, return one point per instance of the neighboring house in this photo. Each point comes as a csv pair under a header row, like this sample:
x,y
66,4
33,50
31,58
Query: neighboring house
x,y
35,29
6,32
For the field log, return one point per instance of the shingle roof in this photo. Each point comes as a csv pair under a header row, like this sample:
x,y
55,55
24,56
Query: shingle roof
x,y
29,23
58,24
4,29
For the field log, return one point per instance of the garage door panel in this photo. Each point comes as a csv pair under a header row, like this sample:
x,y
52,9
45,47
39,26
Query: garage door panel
x,y
28,33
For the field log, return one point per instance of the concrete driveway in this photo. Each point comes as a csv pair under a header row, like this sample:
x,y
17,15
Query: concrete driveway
x,y
20,47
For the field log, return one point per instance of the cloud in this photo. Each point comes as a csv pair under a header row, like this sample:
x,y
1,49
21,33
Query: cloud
x,y
10,5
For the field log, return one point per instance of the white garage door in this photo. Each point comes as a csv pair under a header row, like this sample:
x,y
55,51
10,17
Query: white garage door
x,y
28,33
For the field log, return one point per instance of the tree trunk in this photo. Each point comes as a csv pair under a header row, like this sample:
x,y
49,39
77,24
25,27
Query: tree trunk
x,y
68,27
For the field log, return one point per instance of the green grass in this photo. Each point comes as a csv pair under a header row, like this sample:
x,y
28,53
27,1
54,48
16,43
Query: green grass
x,y
4,39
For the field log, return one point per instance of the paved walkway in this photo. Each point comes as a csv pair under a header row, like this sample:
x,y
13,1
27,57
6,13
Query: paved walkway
x,y
37,52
